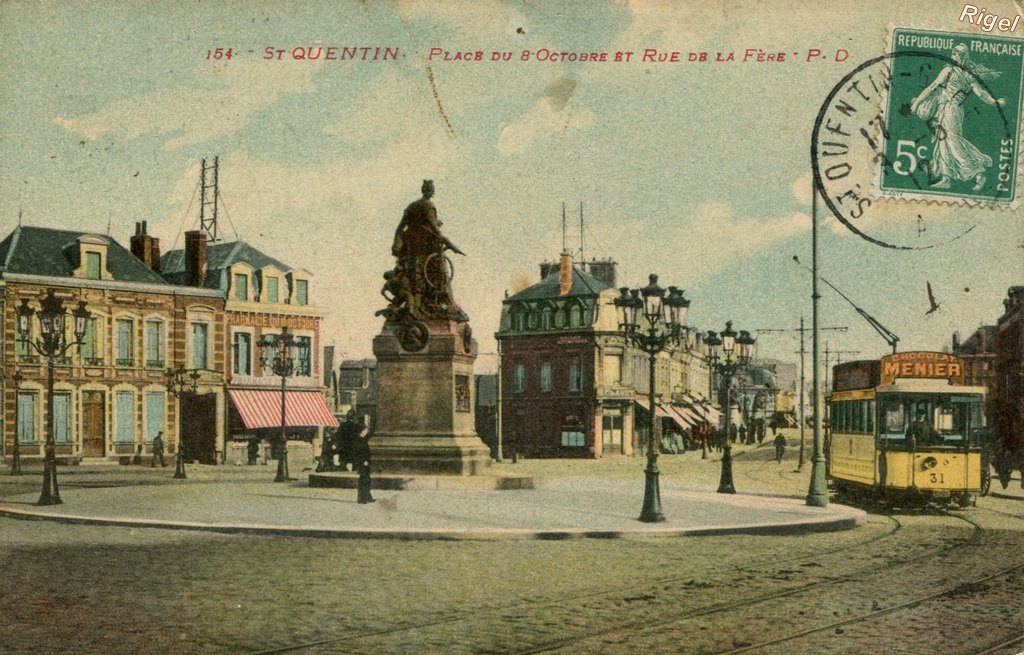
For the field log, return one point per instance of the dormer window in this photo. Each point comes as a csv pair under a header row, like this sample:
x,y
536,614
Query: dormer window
x,y
272,288
301,292
241,286
93,265
89,257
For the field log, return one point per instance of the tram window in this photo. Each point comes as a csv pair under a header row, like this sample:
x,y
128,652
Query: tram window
x,y
870,417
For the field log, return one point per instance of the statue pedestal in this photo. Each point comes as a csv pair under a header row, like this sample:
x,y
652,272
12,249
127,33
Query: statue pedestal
x,y
425,404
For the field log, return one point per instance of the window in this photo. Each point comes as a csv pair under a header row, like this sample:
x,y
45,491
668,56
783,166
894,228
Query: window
x,y
575,374
303,356
93,262
125,350
271,289
545,376
124,415
154,344
242,353
22,347
301,292
26,417
62,417
89,350
155,414
546,318
519,313
519,384
575,315
200,341
573,438
241,286
612,369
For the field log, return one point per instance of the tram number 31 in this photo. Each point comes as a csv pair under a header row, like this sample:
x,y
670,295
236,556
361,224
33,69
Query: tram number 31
x,y
936,478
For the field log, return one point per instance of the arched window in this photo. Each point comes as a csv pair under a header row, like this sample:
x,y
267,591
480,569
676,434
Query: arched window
x,y
547,320
575,315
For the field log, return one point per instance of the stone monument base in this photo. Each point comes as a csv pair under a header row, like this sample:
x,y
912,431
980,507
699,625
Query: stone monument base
x,y
345,480
425,403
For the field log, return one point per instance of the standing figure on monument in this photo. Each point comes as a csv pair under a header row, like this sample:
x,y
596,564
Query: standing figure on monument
x,y
422,269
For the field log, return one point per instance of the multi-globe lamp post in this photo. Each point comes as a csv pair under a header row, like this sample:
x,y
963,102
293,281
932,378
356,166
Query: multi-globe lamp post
x,y
664,330
177,384
17,379
724,359
52,343
278,352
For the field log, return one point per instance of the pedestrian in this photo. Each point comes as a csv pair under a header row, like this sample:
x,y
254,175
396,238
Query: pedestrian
x,y
774,426
743,434
780,447
361,457
158,449
253,451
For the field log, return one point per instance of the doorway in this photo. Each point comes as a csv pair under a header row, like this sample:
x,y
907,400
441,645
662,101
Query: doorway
x,y
199,427
94,425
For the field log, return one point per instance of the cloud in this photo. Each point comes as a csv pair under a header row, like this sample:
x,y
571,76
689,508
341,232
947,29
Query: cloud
x,y
219,103
550,116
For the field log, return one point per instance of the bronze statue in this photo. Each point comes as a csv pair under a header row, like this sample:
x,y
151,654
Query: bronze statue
x,y
418,288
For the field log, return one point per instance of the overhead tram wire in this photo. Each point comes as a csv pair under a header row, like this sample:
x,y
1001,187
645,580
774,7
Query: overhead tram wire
x,y
181,224
887,334
228,214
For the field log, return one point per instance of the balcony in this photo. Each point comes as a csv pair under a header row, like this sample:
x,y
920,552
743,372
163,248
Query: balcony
x,y
125,362
155,363
93,361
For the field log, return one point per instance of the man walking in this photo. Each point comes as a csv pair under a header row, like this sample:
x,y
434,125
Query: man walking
x,y
361,457
158,449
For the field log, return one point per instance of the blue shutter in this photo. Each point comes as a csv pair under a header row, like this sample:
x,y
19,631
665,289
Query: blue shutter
x,y
61,417
155,413
124,406
26,417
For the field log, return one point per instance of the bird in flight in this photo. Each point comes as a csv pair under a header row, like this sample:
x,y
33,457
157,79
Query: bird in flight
x,y
931,299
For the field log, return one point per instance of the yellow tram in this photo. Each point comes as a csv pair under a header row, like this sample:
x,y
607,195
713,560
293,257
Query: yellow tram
x,y
904,428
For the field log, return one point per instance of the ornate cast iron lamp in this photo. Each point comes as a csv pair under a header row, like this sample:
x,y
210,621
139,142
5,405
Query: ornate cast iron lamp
x,y
726,361
278,352
17,379
664,330
52,344
177,384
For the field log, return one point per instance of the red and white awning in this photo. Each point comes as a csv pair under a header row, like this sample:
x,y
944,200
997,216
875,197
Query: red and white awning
x,y
261,408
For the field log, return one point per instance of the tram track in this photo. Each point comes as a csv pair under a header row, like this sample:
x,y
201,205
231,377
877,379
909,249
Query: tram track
x,y
631,595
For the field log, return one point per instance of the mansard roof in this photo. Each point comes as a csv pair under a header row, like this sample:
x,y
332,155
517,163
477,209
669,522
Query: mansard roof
x,y
584,285
219,256
46,251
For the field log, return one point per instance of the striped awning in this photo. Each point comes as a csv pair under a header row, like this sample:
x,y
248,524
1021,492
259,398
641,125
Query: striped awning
x,y
685,413
261,408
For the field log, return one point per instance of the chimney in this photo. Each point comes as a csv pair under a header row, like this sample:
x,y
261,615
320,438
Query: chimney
x,y
145,247
956,342
565,275
547,268
603,270
195,258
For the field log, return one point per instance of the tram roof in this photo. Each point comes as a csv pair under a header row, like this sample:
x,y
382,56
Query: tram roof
x,y
927,385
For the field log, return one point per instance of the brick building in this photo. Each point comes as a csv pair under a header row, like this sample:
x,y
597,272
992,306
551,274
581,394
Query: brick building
x,y
262,296
979,354
1009,364
110,395
570,385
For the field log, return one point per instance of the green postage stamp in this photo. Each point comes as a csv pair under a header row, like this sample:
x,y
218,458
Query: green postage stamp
x,y
953,117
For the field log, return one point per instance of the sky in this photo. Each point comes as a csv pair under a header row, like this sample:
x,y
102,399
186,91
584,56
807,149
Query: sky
x,y
698,171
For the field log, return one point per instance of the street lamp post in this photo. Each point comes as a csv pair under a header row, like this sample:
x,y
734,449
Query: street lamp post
x,y
278,352
17,378
52,344
177,385
655,338
724,359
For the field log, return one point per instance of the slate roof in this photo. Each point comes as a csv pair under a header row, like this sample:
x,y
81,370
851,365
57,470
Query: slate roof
x,y
584,285
45,251
218,257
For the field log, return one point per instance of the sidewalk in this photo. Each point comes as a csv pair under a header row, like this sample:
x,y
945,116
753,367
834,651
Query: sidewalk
x,y
223,499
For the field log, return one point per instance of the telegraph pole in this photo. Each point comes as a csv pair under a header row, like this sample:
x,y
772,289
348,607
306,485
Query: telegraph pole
x,y
802,330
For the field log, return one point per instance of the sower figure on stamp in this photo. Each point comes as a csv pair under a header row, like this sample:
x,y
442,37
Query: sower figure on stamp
x,y
158,450
940,105
361,456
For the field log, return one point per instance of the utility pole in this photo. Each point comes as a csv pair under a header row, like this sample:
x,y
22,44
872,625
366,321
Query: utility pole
x,y
801,330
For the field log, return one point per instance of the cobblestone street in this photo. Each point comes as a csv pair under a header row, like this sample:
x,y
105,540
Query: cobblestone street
x,y
903,583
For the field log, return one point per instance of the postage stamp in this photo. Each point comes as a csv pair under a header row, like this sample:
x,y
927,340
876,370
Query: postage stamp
x,y
953,117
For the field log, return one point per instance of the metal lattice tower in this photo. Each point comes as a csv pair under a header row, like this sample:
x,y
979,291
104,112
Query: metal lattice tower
x,y
208,205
